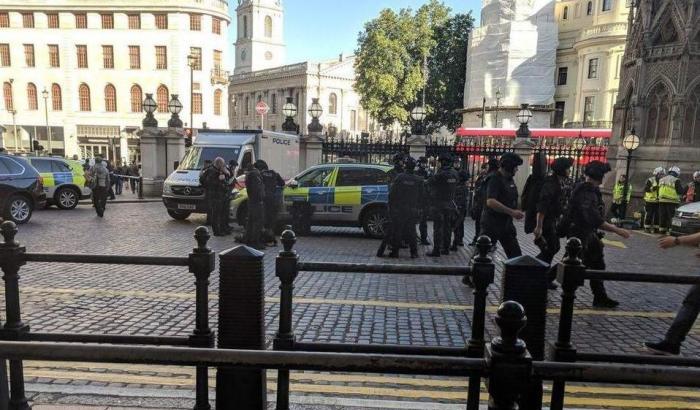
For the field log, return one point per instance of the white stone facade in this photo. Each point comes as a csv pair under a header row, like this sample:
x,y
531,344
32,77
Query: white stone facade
x,y
260,35
107,129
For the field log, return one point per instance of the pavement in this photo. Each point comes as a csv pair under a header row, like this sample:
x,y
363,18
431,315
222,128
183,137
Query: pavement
x,y
347,308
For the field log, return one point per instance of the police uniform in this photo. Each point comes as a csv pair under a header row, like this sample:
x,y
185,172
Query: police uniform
x,y
216,194
405,195
651,202
497,225
424,206
461,197
671,191
390,223
618,194
442,188
256,208
274,183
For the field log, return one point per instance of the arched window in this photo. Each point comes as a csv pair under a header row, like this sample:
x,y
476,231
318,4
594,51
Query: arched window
x,y
268,26
217,102
245,26
589,8
31,97
56,99
7,95
565,14
691,124
84,96
658,115
162,98
333,104
110,98
136,99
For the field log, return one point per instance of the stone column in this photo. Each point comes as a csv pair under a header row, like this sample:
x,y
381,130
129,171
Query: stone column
x,y
417,145
524,148
160,148
123,148
311,150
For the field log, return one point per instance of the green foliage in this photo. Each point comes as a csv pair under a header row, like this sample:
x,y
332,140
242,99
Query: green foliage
x,y
389,64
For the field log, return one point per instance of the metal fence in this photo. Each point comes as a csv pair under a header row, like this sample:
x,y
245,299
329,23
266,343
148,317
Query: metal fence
x,y
580,156
362,149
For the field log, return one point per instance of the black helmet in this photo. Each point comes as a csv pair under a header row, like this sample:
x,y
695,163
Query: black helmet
x,y
597,170
509,161
445,159
260,165
463,176
409,163
422,160
561,164
492,164
398,157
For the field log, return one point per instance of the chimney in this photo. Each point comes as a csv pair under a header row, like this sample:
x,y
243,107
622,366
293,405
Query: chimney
x,y
341,57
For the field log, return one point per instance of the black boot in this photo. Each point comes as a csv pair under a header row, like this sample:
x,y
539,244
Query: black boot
x,y
435,253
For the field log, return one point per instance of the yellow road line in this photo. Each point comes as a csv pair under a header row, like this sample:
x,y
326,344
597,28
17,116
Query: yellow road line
x,y
616,244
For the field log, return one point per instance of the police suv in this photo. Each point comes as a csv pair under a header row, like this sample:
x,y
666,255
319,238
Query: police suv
x,y
340,194
64,181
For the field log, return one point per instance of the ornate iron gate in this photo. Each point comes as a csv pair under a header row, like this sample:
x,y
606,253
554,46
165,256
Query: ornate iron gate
x,y
361,149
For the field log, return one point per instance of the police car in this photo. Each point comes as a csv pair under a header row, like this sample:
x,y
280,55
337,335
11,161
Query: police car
x,y
340,194
64,181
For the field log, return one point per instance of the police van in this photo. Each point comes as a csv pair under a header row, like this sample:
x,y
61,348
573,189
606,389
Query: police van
x,y
340,194
64,181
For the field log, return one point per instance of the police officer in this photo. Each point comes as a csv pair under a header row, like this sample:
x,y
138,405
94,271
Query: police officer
x,y
405,195
487,170
501,206
390,222
424,172
671,190
397,161
693,192
273,184
202,181
461,197
585,218
618,194
442,188
215,184
256,207
651,201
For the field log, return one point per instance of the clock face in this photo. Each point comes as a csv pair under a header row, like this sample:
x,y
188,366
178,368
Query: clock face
x,y
268,55
244,54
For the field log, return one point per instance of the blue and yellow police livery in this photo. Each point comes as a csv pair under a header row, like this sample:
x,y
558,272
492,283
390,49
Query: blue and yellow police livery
x,y
64,181
341,195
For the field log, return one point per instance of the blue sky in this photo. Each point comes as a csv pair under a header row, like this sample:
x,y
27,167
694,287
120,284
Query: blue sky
x,y
322,29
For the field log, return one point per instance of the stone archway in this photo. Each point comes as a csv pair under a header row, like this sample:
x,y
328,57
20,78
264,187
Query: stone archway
x,y
691,122
658,121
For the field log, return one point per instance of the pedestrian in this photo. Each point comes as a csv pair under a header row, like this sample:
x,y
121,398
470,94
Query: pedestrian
x,y
118,180
532,190
98,176
112,180
215,185
405,195
389,224
256,207
442,187
651,201
203,182
488,169
671,190
687,314
424,172
461,202
584,219
616,207
501,206
274,184
693,192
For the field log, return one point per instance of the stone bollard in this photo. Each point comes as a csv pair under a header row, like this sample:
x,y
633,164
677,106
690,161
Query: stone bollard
x,y
510,365
241,326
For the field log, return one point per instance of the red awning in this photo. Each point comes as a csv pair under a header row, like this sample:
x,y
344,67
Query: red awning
x,y
536,132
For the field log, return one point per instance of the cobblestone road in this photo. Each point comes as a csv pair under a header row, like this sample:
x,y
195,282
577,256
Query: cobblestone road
x,y
351,308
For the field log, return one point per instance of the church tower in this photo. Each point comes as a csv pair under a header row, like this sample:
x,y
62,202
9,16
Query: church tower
x,y
260,38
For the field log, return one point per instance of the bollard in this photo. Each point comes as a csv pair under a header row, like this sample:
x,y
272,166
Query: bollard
x,y
241,326
569,276
482,276
509,363
140,187
525,280
201,264
286,270
11,259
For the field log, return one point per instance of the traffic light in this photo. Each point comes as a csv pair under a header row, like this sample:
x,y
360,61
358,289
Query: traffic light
x,y
36,147
188,137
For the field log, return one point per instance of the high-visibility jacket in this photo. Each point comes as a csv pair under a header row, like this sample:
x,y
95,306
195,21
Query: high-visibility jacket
x,y
653,195
668,193
619,191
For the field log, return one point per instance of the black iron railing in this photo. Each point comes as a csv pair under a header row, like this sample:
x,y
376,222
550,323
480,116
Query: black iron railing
x,y
362,149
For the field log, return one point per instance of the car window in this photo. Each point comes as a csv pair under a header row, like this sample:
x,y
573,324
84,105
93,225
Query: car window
x,y
361,176
319,177
58,166
4,168
42,165
13,166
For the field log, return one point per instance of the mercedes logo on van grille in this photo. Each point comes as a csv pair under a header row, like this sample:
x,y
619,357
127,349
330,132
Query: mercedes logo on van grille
x,y
188,191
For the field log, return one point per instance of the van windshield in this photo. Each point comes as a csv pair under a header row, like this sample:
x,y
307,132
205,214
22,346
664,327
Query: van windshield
x,y
195,158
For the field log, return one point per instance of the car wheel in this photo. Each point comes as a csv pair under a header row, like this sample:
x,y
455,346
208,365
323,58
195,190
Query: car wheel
x,y
67,198
19,209
179,215
373,222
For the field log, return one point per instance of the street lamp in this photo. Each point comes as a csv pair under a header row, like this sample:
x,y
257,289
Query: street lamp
x,y
315,110
174,106
193,62
631,143
149,106
14,127
45,94
523,117
498,104
289,110
418,115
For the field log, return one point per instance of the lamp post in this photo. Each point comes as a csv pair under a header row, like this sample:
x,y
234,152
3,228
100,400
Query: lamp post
x,y
523,117
192,62
418,115
14,128
289,110
45,94
174,106
498,105
631,143
149,106
315,111
579,144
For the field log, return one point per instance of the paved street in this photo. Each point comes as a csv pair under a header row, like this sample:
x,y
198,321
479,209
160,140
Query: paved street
x,y
351,308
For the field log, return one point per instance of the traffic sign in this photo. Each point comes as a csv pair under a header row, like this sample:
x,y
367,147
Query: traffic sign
x,y
262,108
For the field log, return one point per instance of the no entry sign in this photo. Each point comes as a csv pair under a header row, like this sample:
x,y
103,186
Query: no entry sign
x,y
262,108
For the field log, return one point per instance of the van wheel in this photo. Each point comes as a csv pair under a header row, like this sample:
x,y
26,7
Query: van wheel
x,y
179,215
66,198
19,209
373,222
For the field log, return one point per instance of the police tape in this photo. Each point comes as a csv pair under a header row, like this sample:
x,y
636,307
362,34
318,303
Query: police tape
x,y
127,176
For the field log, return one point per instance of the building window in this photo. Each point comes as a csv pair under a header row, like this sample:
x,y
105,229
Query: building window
x,y
134,21
162,98
216,25
161,21
82,56
197,53
110,98
245,26
247,105
7,95
28,20
268,26
559,114
588,108
161,58
195,22
54,59
107,21
4,20
217,102
5,55
593,68
196,103
136,98
353,120
80,20
84,96
29,55
56,99
108,57
134,57
618,66
333,104
607,5
273,100
53,20
589,8
565,14
658,117
31,97
562,75
217,60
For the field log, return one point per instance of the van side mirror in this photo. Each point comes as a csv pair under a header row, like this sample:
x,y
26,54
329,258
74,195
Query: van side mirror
x,y
293,184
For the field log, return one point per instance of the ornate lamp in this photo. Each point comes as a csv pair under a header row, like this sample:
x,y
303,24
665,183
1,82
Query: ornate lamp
x,y
315,110
523,117
174,106
289,110
149,106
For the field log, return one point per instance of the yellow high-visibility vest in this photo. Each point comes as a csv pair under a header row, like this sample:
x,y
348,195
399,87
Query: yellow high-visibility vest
x,y
619,191
653,195
667,190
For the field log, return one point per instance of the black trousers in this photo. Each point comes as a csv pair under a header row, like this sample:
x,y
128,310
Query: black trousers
x,y
502,231
651,219
666,212
271,211
685,318
459,227
423,224
616,210
477,226
219,214
442,228
593,258
403,229
255,222
99,197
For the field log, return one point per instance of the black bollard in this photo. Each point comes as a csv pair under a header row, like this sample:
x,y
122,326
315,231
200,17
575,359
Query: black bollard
x,y
510,364
241,326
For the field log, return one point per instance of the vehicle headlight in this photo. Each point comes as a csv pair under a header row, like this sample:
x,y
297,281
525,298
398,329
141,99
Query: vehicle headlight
x,y
696,215
167,189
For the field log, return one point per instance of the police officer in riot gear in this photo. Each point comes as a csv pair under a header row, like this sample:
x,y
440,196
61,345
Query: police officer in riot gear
x,y
397,160
501,206
479,201
215,183
389,225
405,195
442,188
424,172
461,197
273,183
256,207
